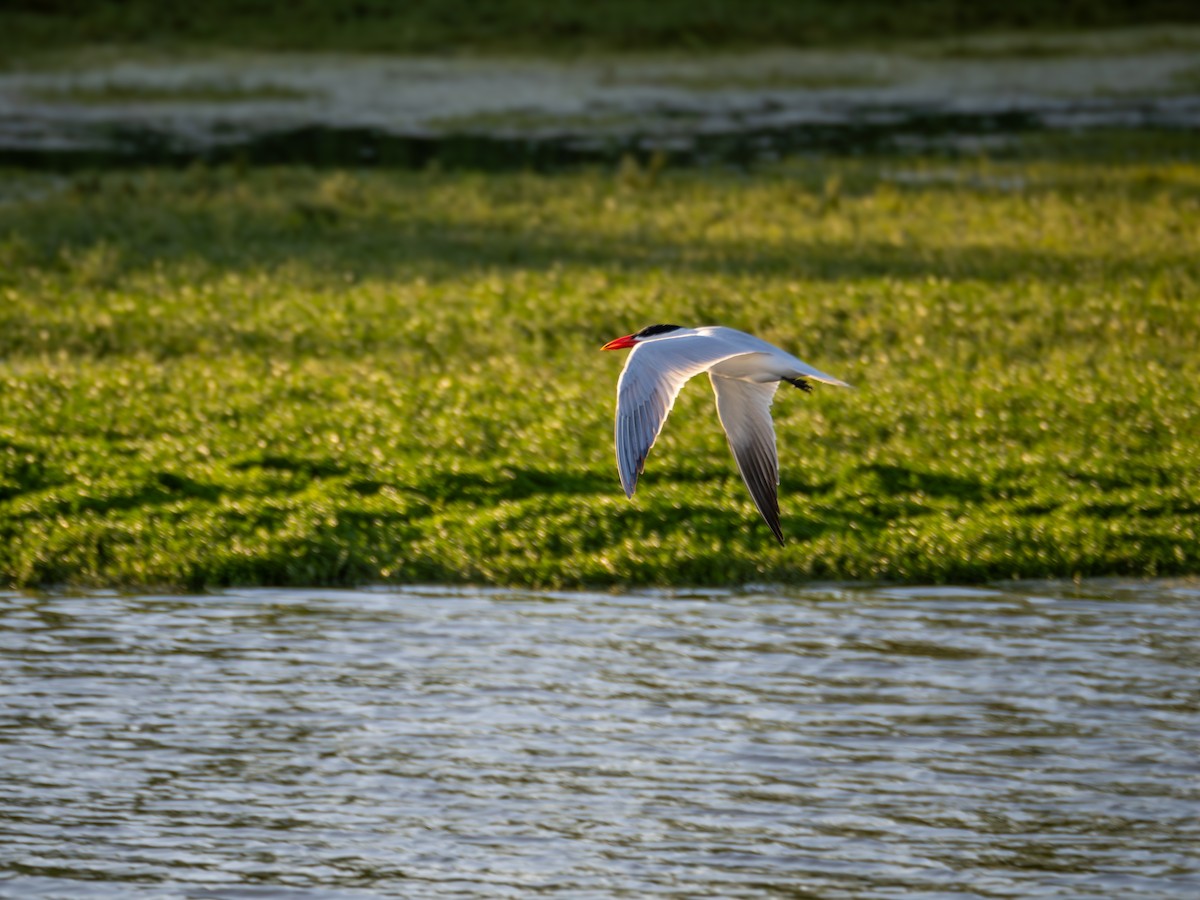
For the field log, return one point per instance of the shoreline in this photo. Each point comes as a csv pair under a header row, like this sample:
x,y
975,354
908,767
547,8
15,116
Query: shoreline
x,y
136,107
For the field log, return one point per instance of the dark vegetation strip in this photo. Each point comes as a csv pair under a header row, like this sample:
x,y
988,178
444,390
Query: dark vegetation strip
x,y
544,26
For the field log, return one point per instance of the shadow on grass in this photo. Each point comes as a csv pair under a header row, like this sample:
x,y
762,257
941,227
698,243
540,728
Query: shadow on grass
x,y
507,482
312,467
898,480
400,250
384,247
334,223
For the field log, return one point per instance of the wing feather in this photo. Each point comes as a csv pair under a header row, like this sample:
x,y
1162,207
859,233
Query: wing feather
x,y
744,408
654,374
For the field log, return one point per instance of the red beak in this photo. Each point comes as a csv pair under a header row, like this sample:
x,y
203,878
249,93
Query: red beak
x,y
621,343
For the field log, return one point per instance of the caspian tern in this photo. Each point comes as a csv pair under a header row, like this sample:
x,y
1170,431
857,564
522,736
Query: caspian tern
x,y
744,370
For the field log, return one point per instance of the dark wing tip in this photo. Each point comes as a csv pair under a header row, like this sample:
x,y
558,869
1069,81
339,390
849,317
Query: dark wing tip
x,y
778,532
761,476
770,515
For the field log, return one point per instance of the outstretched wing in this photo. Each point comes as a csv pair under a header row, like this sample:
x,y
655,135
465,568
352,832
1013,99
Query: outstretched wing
x,y
745,411
654,374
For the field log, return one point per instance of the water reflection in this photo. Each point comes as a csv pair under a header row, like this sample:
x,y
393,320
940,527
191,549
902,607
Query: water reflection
x,y
1036,740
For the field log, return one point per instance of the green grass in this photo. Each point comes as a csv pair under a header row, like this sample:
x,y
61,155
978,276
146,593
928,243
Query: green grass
x,y
33,27
291,376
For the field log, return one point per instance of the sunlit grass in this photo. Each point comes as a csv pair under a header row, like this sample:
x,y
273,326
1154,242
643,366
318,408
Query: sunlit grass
x,y
294,376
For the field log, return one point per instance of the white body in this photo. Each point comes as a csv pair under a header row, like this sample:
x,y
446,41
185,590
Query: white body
x,y
744,370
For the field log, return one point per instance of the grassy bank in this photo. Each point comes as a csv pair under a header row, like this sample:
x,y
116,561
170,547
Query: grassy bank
x,y
293,376
32,27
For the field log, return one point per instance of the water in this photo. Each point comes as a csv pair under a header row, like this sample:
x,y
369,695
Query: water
x,y
1026,741
460,111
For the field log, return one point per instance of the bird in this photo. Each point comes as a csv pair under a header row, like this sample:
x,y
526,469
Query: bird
x,y
745,372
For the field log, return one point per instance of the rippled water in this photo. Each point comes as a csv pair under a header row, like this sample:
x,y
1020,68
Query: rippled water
x,y
1019,742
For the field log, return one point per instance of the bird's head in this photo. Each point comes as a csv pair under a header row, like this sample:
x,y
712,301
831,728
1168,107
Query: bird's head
x,y
631,340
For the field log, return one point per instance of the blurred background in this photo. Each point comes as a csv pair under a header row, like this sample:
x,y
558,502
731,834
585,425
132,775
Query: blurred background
x,y
532,83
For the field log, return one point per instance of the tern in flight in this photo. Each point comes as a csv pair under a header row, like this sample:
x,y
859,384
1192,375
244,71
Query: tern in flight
x,y
744,370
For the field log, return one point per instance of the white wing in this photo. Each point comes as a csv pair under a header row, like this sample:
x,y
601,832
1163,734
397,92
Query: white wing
x,y
780,362
653,375
744,408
